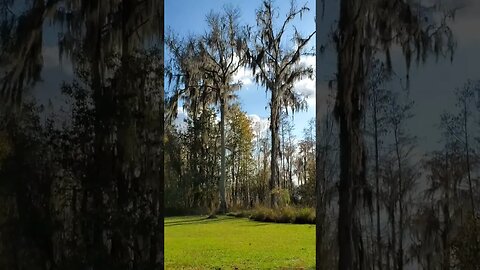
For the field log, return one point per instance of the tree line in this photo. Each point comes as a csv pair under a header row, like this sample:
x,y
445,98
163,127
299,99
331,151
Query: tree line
x,y
229,159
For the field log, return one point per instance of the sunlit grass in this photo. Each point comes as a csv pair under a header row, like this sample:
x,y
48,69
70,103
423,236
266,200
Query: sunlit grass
x,y
237,243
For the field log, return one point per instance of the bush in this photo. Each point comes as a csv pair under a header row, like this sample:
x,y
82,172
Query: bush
x,y
262,213
305,216
285,214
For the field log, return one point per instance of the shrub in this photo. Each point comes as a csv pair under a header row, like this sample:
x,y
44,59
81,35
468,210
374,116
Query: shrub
x,y
305,216
285,214
262,213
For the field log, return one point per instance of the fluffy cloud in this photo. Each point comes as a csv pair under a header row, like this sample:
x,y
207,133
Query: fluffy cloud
x,y
306,87
308,60
179,121
259,124
245,76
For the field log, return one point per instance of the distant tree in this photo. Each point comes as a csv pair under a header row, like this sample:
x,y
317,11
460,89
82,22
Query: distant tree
x,y
240,145
398,112
445,171
287,151
459,125
377,100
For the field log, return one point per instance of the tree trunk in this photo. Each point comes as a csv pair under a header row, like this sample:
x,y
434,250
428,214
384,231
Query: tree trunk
x,y
234,184
223,202
274,121
125,145
321,181
305,175
264,173
467,148
377,184
282,158
349,111
400,201
393,245
446,219
99,177
157,245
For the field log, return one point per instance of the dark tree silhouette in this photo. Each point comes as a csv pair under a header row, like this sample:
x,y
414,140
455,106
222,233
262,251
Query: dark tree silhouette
x,y
363,29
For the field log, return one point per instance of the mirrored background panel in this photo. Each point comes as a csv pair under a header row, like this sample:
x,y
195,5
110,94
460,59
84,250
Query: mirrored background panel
x,y
397,134
81,128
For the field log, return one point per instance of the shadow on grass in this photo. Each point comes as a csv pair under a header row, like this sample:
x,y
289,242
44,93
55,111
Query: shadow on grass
x,y
263,223
257,223
203,220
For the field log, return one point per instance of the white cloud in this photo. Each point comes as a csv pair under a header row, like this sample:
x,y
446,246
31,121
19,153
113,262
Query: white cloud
x,y
179,121
308,60
259,124
243,75
306,87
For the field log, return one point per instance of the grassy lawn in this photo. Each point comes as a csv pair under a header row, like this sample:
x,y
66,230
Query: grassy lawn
x,y
237,243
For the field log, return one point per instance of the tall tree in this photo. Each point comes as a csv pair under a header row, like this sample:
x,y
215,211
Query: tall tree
x,y
363,28
459,126
398,112
194,91
277,68
223,49
377,99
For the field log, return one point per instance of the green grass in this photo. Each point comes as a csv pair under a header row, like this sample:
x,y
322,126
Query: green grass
x,y
237,243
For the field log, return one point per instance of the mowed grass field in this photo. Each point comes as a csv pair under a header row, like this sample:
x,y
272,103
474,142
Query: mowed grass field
x,y
237,243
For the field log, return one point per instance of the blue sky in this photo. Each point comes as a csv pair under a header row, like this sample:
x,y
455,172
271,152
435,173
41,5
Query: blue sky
x,y
187,17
